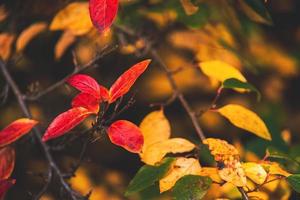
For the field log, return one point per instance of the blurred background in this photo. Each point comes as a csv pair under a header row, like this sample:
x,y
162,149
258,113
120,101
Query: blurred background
x,y
264,44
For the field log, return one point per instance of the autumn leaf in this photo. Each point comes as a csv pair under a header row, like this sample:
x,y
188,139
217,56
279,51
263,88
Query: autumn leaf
x,y
127,135
189,7
103,13
74,17
274,168
63,43
15,130
255,172
181,167
5,184
6,41
211,172
87,101
65,122
28,34
157,121
7,162
104,95
228,158
245,119
85,84
220,71
157,151
123,84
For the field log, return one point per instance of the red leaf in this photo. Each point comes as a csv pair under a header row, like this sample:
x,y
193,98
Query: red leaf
x,y
65,122
15,130
5,185
85,84
127,135
7,162
126,80
86,101
103,13
103,93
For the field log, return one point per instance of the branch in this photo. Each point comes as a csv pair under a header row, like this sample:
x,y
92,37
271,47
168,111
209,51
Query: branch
x,y
76,70
37,133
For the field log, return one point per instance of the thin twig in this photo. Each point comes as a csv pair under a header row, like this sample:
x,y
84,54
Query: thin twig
x,y
76,70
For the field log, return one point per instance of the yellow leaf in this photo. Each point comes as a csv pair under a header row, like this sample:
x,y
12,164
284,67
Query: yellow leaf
x,y
233,173
255,172
157,151
181,167
220,71
228,156
274,168
28,34
245,119
75,17
65,40
189,7
81,181
155,128
211,172
6,40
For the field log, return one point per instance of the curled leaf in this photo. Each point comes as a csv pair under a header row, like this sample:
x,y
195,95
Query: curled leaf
x,y
63,43
157,121
181,167
65,122
157,151
74,17
28,34
245,119
103,13
85,84
15,130
7,162
123,84
87,101
127,135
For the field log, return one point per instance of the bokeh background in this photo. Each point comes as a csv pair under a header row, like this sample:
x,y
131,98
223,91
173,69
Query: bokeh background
x,y
267,54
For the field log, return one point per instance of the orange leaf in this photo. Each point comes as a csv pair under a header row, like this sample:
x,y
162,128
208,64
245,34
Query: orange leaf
x,y
103,93
28,34
86,101
63,43
127,135
65,122
85,84
126,80
15,130
7,162
5,185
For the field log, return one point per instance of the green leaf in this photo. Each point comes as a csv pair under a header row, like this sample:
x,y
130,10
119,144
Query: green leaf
x,y
259,8
150,193
294,181
235,83
191,187
148,175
